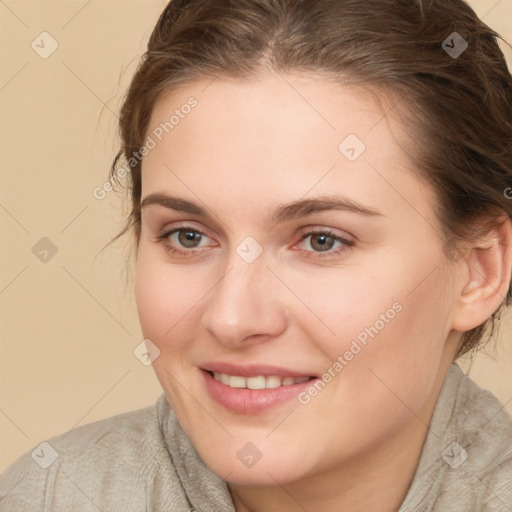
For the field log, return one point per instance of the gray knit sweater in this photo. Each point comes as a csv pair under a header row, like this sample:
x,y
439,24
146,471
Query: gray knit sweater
x,y
142,461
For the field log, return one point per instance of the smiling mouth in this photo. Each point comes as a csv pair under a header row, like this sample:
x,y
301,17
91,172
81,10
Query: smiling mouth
x,y
258,381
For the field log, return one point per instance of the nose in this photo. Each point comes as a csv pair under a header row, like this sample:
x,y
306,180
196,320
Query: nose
x,y
244,306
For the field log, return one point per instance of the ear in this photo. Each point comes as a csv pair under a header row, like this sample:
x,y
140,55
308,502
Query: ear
x,y
487,269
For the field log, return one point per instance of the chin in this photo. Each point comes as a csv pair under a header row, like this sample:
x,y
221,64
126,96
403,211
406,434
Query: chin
x,y
256,476
238,468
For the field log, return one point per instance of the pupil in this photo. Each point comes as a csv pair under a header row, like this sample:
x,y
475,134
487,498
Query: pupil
x,y
322,242
187,238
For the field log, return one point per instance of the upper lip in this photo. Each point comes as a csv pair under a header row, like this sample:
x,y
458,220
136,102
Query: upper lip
x,y
251,370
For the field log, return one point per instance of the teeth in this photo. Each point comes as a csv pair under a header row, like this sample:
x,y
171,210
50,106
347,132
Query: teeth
x,y
237,382
257,382
272,382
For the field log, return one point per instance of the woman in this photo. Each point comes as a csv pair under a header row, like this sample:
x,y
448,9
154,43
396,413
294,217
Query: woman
x,y
321,209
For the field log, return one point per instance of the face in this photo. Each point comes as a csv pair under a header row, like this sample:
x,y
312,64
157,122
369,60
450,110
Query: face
x,y
293,279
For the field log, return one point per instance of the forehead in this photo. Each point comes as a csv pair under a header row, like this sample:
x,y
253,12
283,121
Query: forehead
x,y
258,109
278,137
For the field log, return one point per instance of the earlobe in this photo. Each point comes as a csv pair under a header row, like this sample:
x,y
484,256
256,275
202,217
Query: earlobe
x,y
488,268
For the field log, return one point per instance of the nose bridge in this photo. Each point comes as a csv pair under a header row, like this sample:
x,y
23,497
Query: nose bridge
x,y
241,303
245,268
241,284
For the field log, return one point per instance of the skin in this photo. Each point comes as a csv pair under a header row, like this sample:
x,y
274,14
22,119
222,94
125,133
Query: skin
x,y
246,148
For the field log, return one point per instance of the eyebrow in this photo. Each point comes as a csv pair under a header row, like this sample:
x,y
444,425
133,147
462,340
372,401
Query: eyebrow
x,y
281,213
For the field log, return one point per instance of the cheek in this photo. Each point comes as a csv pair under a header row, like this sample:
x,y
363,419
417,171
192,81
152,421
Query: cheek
x,y
345,304
386,371
165,300
390,321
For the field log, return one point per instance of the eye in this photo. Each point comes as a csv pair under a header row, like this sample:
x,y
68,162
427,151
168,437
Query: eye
x,y
187,240
323,241
183,240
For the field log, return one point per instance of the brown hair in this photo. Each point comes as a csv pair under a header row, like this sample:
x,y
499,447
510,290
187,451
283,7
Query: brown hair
x,y
459,106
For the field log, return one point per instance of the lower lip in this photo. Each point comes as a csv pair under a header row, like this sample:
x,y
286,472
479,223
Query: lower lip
x,y
251,401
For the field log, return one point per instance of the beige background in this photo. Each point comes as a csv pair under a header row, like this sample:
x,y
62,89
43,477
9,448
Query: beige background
x,y
69,325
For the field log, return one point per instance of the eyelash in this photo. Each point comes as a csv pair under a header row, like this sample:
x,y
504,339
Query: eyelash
x,y
346,243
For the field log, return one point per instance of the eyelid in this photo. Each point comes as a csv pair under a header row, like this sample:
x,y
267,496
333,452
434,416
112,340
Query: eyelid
x,y
303,232
311,230
169,229
346,244
306,232
166,232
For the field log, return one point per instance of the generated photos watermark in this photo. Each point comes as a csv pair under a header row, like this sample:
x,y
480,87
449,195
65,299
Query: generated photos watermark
x,y
357,345
150,143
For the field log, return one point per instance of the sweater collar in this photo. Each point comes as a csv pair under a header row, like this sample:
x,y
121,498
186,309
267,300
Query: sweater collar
x,y
437,447
205,490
